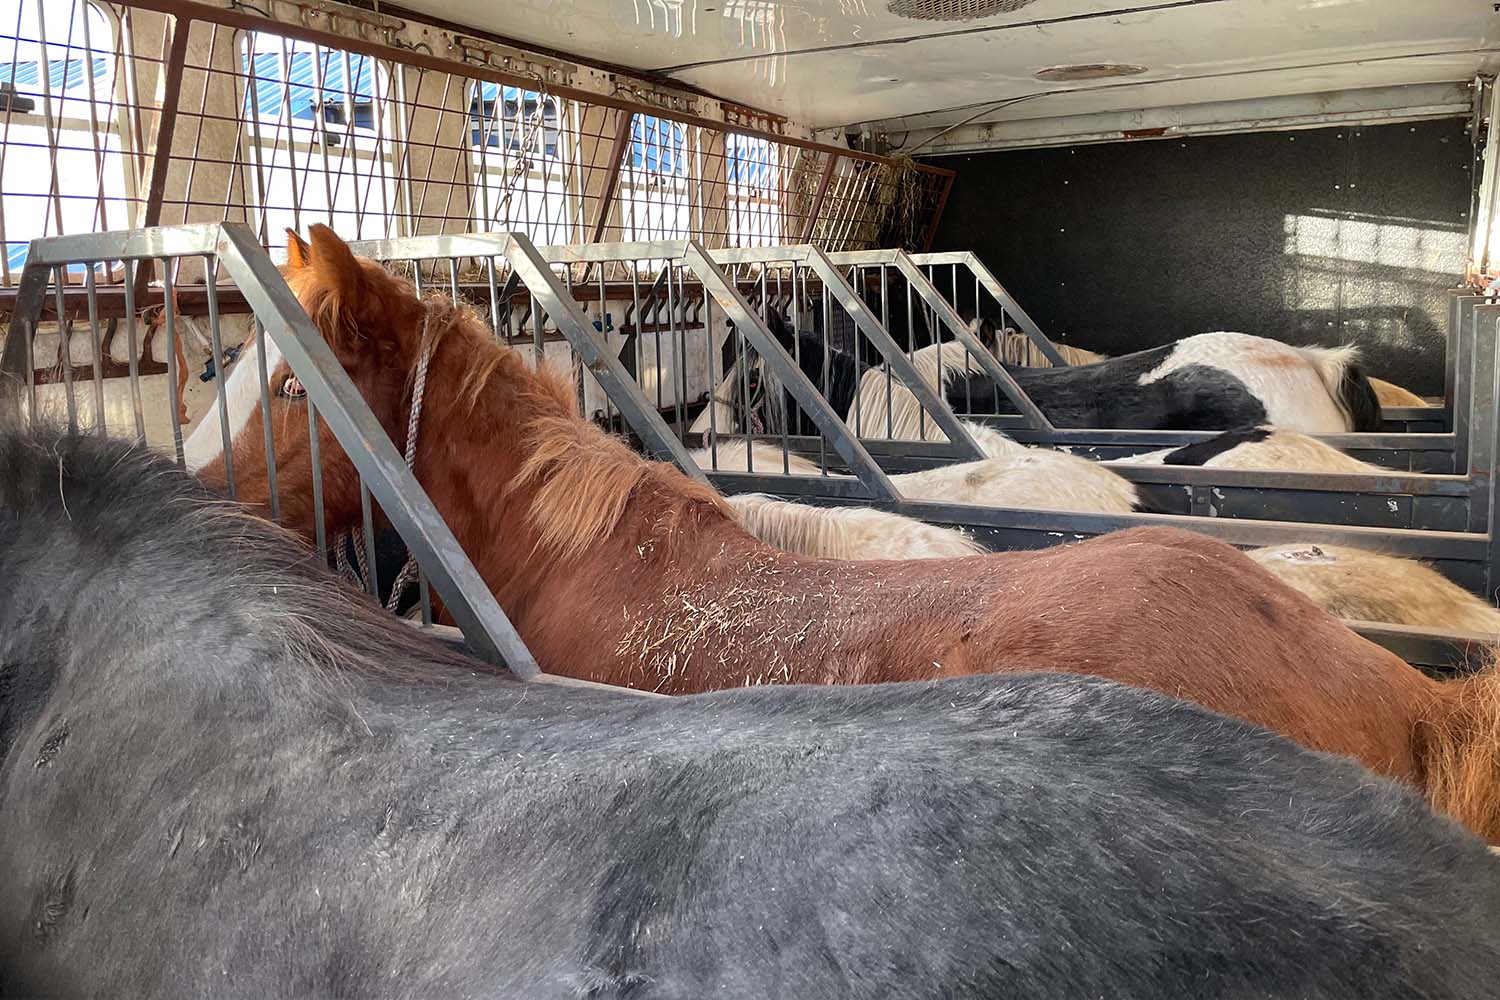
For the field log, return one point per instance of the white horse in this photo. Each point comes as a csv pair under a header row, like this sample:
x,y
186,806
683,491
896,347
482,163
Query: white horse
x,y
1263,448
846,532
1012,476
1354,583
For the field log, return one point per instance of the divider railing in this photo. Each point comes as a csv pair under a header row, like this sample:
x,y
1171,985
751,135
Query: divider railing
x,y
331,397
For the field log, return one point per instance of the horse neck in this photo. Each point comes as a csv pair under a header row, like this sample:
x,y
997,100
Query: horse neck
x,y
468,460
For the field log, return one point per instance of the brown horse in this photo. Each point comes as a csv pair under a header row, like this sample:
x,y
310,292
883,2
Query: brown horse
x,y
621,570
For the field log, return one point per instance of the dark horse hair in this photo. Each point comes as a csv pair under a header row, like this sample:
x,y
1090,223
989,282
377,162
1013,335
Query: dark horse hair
x,y
225,773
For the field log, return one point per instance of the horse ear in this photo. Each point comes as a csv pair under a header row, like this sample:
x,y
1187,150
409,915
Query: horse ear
x,y
297,251
333,260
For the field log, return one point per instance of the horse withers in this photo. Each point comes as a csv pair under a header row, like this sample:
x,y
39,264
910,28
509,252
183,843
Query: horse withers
x,y
223,773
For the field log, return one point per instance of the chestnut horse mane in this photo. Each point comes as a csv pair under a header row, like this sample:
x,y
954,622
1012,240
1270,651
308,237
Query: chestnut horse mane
x,y
582,478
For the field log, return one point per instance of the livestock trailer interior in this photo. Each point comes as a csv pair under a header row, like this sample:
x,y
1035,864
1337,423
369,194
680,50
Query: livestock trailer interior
x,y
648,193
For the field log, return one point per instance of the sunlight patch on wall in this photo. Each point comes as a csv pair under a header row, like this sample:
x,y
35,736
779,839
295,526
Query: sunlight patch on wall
x,y
1408,244
1357,278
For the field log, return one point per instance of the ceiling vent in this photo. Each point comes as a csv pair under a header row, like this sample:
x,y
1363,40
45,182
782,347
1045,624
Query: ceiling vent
x,y
954,10
1088,71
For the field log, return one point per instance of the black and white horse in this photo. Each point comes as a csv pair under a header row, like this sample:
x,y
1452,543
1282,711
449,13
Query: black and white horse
x,y
223,773
1212,381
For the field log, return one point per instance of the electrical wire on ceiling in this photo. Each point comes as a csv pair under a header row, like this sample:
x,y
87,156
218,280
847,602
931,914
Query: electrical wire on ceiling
x,y
987,109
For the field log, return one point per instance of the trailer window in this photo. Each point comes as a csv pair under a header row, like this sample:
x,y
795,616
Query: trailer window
x,y
318,144
521,158
58,125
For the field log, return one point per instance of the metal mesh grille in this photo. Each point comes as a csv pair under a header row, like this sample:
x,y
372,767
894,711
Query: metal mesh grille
x,y
954,10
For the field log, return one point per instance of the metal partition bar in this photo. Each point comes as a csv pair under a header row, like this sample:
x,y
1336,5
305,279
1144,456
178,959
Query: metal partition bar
x,y
529,269
1487,402
948,317
726,295
986,279
827,271
1461,402
328,388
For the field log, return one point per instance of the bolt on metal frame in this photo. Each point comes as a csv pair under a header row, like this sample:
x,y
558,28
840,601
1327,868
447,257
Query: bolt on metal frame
x,y
234,249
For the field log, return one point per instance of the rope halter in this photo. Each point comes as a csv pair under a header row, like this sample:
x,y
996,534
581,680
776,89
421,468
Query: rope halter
x,y
410,570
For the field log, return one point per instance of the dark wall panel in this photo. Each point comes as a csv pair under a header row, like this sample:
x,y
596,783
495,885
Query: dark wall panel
x,y
1313,237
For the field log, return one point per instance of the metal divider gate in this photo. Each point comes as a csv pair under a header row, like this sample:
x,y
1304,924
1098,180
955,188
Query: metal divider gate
x,y
722,284
330,394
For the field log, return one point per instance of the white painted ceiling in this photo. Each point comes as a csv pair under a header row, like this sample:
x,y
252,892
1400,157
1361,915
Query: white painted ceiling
x,y
840,63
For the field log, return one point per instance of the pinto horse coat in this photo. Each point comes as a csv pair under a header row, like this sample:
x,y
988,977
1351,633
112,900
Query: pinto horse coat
x,y
620,570
224,774
1211,381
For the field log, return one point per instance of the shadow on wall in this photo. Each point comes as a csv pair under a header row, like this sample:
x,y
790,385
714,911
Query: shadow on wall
x,y
1313,237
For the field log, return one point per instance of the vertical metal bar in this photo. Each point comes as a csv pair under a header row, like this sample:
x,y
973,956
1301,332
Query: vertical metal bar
x,y
258,148
101,218
791,318
269,437
133,346
612,176
320,534
161,157
538,343
609,414
64,348
815,210
682,334
1486,450
489,277
49,120
367,538
296,186
97,346
640,318
1463,383
169,327
211,289
1482,453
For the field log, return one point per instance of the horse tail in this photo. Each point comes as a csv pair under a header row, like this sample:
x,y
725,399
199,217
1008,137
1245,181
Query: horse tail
x,y
1349,387
1459,743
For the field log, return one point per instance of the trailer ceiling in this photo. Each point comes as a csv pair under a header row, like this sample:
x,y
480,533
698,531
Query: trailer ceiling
x,y
1193,65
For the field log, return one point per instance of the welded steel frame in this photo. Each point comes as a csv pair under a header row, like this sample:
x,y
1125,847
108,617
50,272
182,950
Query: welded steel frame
x,y
706,267
985,279
530,269
155,154
825,269
1329,492
1436,452
1031,415
234,248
